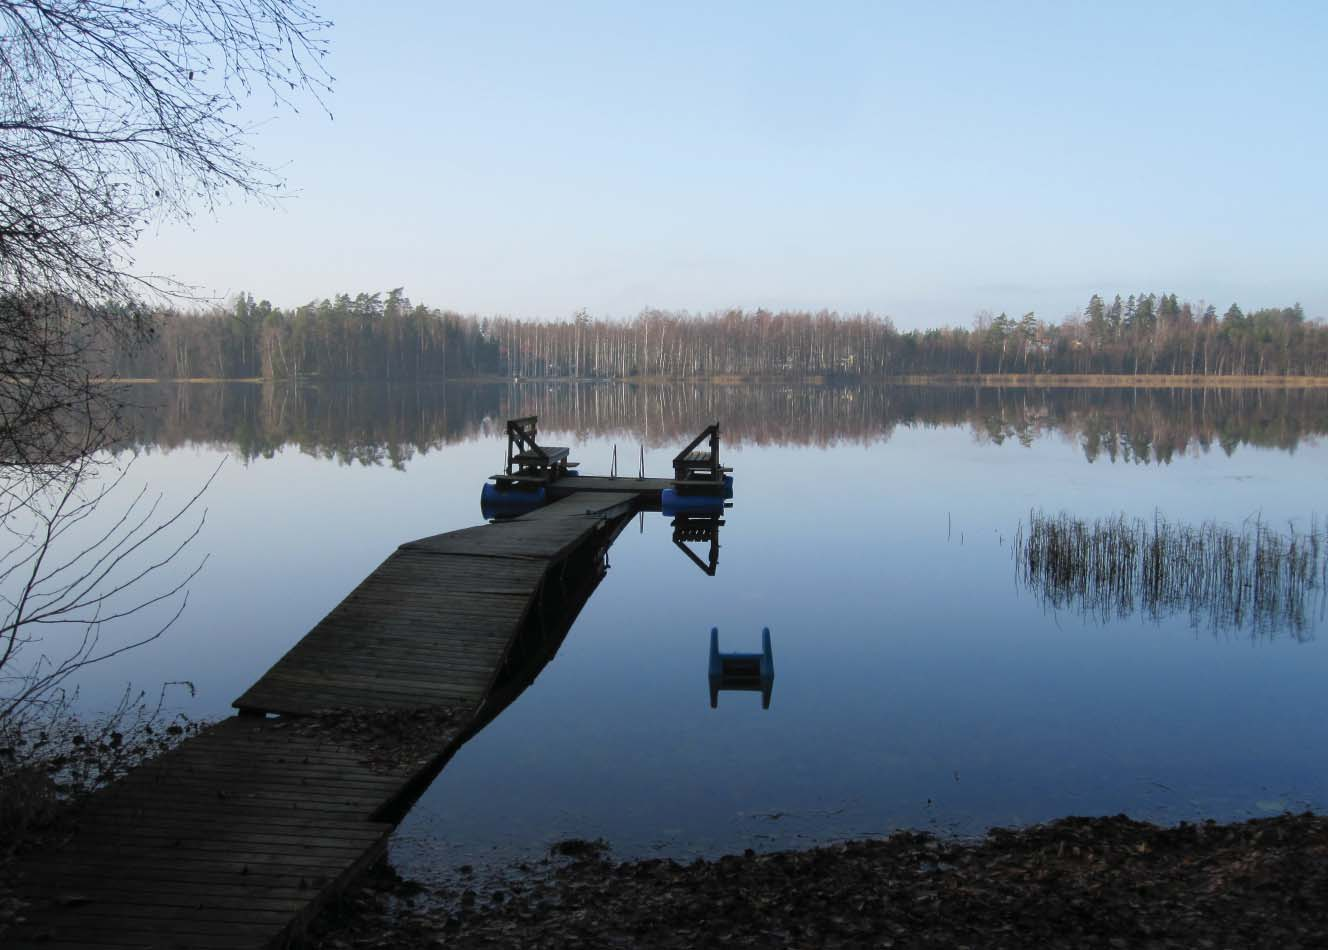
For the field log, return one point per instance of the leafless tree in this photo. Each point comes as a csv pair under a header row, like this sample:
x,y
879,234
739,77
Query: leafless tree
x,y
75,581
50,404
113,115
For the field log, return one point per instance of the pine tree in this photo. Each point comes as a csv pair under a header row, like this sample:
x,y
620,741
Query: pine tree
x,y
1096,314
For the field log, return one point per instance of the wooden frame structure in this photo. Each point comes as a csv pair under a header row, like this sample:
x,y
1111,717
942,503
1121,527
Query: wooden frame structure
x,y
698,470
744,672
533,474
527,460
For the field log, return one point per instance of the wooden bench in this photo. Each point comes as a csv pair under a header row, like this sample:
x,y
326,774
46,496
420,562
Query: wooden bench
x,y
529,462
547,455
699,468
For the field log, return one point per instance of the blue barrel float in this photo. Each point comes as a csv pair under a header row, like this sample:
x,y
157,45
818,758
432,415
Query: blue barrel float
x,y
673,502
754,672
496,502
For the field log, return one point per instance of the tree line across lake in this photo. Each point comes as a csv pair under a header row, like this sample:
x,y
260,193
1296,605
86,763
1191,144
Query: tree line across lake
x,y
386,336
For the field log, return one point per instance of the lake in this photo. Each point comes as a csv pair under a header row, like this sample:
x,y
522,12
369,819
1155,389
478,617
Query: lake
x,y
921,680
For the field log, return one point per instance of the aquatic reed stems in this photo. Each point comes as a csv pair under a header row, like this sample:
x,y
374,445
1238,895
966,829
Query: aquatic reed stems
x,y
1250,578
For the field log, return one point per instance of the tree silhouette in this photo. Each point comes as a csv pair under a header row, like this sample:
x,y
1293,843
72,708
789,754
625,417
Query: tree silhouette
x,y
112,115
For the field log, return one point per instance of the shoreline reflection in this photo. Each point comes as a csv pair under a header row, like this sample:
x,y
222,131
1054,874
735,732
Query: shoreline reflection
x,y
388,424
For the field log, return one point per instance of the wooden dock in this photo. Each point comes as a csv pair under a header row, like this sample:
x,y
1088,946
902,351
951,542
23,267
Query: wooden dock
x,y
531,466
238,837
648,489
431,626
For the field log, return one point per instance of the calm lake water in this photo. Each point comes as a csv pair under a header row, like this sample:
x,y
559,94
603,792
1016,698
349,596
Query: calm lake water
x,y
919,683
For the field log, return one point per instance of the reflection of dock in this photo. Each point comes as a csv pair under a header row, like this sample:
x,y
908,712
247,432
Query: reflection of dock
x,y
704,529
238,837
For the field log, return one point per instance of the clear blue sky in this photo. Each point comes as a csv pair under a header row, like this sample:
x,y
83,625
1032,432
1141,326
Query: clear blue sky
x,y
920,161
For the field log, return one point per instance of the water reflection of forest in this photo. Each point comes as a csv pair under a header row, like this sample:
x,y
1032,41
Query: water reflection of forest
x,y
380,424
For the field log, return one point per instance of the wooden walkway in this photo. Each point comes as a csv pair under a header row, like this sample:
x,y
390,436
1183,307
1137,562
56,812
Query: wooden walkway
x,y
237,838
648,489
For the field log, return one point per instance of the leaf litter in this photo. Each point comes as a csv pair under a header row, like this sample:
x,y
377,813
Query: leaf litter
x,y
1078,882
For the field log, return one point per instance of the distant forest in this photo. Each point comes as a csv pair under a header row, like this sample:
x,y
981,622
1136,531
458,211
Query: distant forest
x,y
387,337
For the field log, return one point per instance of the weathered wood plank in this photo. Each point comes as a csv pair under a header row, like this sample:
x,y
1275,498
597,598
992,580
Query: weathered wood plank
x,y
602,506
289,699
641,487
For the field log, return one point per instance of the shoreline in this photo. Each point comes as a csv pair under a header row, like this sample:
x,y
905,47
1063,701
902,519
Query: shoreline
x,y
983,380
1076,882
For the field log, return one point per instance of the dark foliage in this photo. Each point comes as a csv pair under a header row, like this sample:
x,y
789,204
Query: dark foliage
x,y
111,114
370,336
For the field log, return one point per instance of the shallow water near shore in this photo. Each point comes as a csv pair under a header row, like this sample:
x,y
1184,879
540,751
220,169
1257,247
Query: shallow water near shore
x,y
918,682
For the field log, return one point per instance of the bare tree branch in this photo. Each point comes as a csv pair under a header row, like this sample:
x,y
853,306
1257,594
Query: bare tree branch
x,y
104,582
114,114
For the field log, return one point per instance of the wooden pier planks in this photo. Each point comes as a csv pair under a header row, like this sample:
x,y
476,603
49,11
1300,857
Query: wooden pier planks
x,y
596,505
238,837
430,626
646,489
231,840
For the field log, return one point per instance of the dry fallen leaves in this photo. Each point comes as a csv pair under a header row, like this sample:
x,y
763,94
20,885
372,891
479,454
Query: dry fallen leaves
x,y
1078,882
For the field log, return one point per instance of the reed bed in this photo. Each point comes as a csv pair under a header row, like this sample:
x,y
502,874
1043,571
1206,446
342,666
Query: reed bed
x,y
1250,578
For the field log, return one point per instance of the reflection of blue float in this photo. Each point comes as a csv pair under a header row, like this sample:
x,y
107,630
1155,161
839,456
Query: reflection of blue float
x,y
754,672
498,502
673,503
